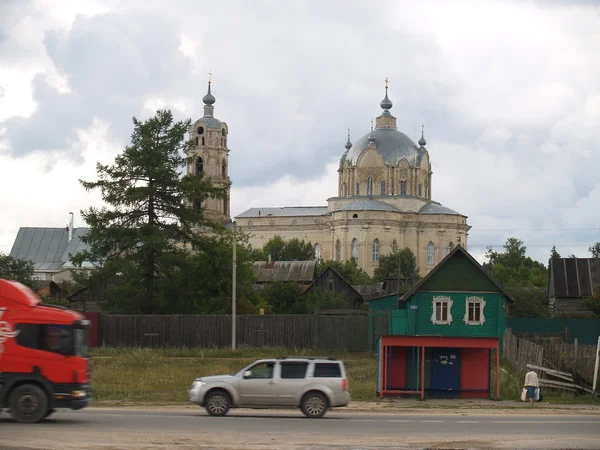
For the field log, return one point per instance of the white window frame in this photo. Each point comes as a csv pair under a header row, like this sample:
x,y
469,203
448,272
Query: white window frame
x,y
382,187
355,253
376,250
443,299
369,185
430,254
475,300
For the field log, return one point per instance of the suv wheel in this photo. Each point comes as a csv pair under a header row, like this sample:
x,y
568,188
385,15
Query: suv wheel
x,y
28,403
217,403
314,405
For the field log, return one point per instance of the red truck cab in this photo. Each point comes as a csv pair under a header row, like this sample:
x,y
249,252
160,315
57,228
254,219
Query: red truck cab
x,y
44,356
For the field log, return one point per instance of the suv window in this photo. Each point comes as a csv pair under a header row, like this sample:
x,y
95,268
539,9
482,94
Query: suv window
x,y
293,369
327,370
262,370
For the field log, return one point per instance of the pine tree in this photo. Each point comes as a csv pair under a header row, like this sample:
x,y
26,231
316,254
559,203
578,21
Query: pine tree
x,y
136,241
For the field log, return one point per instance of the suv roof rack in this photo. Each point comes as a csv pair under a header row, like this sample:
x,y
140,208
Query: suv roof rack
x,y
329,358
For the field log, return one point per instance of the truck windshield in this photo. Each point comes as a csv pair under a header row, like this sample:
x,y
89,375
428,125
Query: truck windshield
x,y
62,339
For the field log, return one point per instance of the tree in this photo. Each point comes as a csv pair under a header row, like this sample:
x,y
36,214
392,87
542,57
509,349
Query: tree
x,y
280,250
554,253
349,270
593,303
16,270
136,240
402,264
595,250
523,277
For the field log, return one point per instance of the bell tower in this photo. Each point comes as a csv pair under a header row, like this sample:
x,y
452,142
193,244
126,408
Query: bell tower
x,y
209,155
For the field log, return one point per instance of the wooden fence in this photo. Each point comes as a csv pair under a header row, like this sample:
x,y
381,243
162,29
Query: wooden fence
x,y
571,358
326,332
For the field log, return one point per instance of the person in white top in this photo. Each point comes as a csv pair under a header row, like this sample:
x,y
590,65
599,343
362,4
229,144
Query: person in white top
x,y
531,384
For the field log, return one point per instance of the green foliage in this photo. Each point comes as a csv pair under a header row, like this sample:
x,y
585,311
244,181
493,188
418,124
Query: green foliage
x,y
593,303
402,264
554,253
62,301
525,278
282,297
349,270
595,250
280,250
322,299
135,241
16,269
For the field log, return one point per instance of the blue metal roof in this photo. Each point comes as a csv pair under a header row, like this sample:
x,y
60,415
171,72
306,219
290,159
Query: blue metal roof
x,y
368,205
436,208
285,211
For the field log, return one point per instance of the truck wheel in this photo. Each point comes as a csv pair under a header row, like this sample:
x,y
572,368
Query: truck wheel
x,y
314,405
28,403
217,403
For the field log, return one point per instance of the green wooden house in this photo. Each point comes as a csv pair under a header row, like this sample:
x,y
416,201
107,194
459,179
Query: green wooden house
x,y
442,332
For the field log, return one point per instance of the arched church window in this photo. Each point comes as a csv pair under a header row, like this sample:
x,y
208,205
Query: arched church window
x,y
200,130
202,140
376,250
370,185
223,132
394,246
383,188
357,188
403,188
338,250
450,247
355,249
224,169
430,253
318,252
199,165
355,216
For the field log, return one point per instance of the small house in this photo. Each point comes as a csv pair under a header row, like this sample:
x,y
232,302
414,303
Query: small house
x,y
301,272
443,334
333,281
571,280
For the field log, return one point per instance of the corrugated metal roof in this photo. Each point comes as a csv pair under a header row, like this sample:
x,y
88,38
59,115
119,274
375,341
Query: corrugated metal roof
x,y
368,205
299,271
575,277
285,211
47,248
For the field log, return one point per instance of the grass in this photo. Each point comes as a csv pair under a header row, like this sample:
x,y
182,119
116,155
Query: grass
x,y
150,376
143,376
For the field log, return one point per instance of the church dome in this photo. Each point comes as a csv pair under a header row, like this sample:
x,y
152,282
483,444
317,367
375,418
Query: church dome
x,y
391,143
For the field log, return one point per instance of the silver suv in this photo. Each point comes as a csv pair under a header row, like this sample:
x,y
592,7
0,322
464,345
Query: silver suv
x,y
312,384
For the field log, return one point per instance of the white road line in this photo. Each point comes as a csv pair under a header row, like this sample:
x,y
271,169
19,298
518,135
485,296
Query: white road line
x,y
468,421
400,421
546,421
432,421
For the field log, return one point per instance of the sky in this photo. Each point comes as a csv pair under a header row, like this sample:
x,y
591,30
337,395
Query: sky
x,y
508,91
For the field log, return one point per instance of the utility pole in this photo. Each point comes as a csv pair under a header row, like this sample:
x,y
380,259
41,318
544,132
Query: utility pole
x,y
233,293
596,367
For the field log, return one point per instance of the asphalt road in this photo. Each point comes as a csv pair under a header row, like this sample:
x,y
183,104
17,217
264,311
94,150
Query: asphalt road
x,y
187,429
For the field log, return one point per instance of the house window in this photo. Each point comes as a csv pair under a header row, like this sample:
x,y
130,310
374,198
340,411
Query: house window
x,y
376,250
383,188
394,246
357,188
370,185
430,253
442,310
450,247
338,249
355,249
474,311
403,188
318,252
199,165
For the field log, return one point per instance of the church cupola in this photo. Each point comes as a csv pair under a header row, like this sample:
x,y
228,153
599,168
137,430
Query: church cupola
x,y
386,120
209,101
422,141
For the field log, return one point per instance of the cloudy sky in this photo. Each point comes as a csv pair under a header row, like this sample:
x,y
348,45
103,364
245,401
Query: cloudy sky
x,y
509,92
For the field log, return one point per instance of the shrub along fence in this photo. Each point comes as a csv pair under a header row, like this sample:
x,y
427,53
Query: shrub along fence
x,y
343,332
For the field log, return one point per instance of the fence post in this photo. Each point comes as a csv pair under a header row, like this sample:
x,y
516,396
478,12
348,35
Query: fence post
x,y
596,366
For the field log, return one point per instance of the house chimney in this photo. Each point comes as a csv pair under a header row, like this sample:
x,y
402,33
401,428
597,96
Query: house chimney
x,y
71,227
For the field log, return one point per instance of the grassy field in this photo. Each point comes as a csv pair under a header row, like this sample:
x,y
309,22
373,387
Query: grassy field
x,y
142,376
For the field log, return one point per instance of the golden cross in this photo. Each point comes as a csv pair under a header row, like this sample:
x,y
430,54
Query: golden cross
x,y
422,128
348,132
386,82
209,75
371,124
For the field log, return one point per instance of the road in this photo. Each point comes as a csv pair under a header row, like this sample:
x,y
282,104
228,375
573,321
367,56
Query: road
x,y
111,429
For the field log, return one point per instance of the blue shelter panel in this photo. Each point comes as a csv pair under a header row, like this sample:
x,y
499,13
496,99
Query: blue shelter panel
x,y
445,372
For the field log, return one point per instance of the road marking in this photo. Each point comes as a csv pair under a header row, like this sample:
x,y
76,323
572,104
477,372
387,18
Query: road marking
x,y
546,421
468,421
400,421
432,421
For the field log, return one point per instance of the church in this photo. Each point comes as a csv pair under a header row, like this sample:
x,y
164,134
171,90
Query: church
x,y
383,204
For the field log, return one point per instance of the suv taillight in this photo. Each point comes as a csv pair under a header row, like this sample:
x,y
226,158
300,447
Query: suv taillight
x,y
344,384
